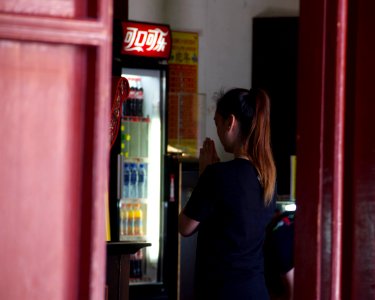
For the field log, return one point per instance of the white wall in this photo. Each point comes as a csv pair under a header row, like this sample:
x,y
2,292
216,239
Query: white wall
x,y
225,39
153,11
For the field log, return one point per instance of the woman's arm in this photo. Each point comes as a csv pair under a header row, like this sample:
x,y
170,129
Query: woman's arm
x,y
288,280
186,226
207,156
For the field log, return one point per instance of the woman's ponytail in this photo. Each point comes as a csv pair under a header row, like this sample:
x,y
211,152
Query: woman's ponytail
x,y
259,147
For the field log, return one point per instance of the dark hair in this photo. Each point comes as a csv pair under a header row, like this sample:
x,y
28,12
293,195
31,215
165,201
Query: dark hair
x,y
252,109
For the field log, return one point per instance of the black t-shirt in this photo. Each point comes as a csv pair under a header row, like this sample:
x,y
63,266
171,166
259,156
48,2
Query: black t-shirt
x,y
278,251
228,203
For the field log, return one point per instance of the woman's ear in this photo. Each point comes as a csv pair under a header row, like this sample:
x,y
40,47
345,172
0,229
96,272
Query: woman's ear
x,y
230,122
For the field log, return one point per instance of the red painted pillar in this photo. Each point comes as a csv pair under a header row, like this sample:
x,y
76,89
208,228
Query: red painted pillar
x,y
359,191
335,148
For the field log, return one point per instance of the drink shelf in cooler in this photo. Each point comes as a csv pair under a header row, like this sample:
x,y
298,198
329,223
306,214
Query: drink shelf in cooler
x,y
133,239
133,106
141,270
135,160
134,137
132,178
134,200
141,281
132,221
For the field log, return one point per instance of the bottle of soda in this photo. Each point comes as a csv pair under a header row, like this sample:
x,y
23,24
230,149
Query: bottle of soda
x,y
123,221
133,268
130,102
126,184
129,216
138,220
123,108
133,181
127,102
139,97
142,181
138,258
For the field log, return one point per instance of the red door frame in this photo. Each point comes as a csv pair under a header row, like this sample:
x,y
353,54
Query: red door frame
x,y
52,204
335,145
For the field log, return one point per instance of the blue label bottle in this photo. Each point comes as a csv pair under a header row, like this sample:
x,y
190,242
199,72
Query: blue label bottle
x,y
142,181
125,188
133,181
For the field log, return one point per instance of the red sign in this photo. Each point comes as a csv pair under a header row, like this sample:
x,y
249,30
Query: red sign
x,y
144,39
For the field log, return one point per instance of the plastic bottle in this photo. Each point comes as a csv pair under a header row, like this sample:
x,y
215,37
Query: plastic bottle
x,y
130,102
133,181
126,184
142,181
123,221
138,257
138,220
133,269
127,102
123,108
139,98
129,215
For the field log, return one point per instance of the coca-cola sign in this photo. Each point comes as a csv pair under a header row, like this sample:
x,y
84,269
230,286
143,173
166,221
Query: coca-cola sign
x,y
145,39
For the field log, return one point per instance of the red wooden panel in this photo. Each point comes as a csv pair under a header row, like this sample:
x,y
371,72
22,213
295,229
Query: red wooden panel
x,y
47,29
60,8
55,85
320,149
335,218
309,128
359,274
40,184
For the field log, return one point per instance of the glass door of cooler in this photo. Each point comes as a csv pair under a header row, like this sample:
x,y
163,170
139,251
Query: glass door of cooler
x,y
140,167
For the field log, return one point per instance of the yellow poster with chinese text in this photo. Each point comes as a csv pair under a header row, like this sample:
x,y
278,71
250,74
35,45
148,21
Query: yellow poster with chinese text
x,y
183,93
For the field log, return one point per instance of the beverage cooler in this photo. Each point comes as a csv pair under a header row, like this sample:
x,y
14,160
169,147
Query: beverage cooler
x,y
138,211
139,170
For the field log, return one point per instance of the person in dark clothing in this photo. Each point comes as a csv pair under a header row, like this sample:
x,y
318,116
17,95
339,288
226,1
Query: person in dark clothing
x,y
233,201
278,256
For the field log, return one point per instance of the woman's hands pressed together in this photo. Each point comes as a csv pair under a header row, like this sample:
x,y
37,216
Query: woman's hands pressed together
x,y
207,155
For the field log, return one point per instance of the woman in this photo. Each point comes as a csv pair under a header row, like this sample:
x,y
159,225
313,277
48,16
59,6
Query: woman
x,y
278,256
233,201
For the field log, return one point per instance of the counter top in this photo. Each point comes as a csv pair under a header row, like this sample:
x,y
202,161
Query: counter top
x,y
116,248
